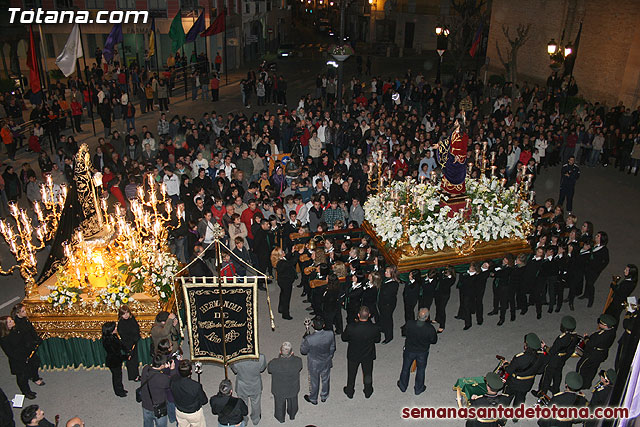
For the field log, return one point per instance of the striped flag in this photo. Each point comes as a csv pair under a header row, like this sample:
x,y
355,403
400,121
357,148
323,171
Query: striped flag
x,y
476,41
152,39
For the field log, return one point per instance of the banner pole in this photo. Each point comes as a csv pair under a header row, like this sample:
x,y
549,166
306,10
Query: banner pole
x,y
218,256
89,82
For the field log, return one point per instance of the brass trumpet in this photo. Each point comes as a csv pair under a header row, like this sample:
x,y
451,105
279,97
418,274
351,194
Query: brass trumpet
x,y
615,279
626,306
315,240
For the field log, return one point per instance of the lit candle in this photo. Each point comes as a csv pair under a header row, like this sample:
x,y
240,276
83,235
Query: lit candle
x,y
78,275
526,186
167,207
389,173
433,176
13,209
150,180
484,146
422,178
49,180
493,171
493,157
140,193
104,204
503,182
163,189
470,164
468,204
530,178
532,196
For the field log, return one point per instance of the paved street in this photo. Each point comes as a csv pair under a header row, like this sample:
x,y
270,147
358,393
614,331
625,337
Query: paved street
x,y
605,196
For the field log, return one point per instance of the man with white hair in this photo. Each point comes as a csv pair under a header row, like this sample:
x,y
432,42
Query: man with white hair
x,y
285,382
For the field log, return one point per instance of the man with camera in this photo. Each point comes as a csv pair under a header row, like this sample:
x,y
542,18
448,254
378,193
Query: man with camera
x,y
189,397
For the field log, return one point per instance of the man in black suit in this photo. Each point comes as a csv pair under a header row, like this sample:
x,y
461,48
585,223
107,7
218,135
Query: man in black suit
x,y
362,337
420,335
285,382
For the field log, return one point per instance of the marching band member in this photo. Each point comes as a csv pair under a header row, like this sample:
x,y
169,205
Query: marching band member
x,y
622,290
492,398
523,369
602,392
571,397
443,293
561,350
387,300
596,348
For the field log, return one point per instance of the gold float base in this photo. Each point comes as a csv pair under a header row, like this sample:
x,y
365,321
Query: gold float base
x,y
85,321
407,260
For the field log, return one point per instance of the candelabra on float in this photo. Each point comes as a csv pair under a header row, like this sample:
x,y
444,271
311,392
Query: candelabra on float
x,y
21,241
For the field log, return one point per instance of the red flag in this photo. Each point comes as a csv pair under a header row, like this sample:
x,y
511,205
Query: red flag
x,y
32,63
216,27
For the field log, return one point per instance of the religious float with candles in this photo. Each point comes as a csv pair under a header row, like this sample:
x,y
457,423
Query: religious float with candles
x,y
450,218
98,260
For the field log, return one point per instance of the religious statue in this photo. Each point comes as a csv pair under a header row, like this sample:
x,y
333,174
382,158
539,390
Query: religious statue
x,y
452,156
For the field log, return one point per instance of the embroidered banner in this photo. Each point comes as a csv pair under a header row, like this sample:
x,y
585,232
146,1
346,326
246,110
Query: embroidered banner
x,y
205,313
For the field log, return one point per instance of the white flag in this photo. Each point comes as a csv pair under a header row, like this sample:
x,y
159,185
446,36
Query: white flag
x,y
66,61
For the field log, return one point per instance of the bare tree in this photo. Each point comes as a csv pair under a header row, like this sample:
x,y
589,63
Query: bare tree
x,y
510,63
463,25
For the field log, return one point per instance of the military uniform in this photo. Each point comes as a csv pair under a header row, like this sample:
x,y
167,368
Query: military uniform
x,y
493,398
561,350
596,350
570,398
523,369
629,338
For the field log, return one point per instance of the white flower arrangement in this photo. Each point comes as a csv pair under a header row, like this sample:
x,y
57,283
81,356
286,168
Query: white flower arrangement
x,y
156,269
114,296
62,295
496,213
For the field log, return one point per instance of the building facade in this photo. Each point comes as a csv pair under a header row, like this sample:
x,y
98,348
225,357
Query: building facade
x,y
607,66
251,27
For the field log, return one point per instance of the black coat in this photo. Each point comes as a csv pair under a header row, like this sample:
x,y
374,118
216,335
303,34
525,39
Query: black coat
x,y
362,338
129,331
27,332
17,351
6,413
286,269
116,352
420,336
387,296
597,262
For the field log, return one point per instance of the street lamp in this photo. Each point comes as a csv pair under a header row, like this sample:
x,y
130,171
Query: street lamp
x,y
442,33
552,47
568,50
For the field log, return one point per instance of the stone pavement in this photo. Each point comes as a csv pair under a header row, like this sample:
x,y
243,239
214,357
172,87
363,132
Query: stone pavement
x,y
605,196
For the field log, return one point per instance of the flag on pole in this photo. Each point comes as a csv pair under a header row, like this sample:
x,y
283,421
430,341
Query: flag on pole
x,y
216,27
114,37
152,39
196,29
32,63
176,32
476,41
66,61
570,61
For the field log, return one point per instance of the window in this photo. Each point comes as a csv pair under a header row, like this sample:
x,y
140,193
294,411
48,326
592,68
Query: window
x,y
188,5
63,4
32,4
257,7
158,8
247,7
95,4
126,4
268,5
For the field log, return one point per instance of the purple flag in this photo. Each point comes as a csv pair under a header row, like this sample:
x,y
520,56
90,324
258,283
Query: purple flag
x,y
196,29
114,37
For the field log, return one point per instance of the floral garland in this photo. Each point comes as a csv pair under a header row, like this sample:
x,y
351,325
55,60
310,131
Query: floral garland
x,y
114,296
496,213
